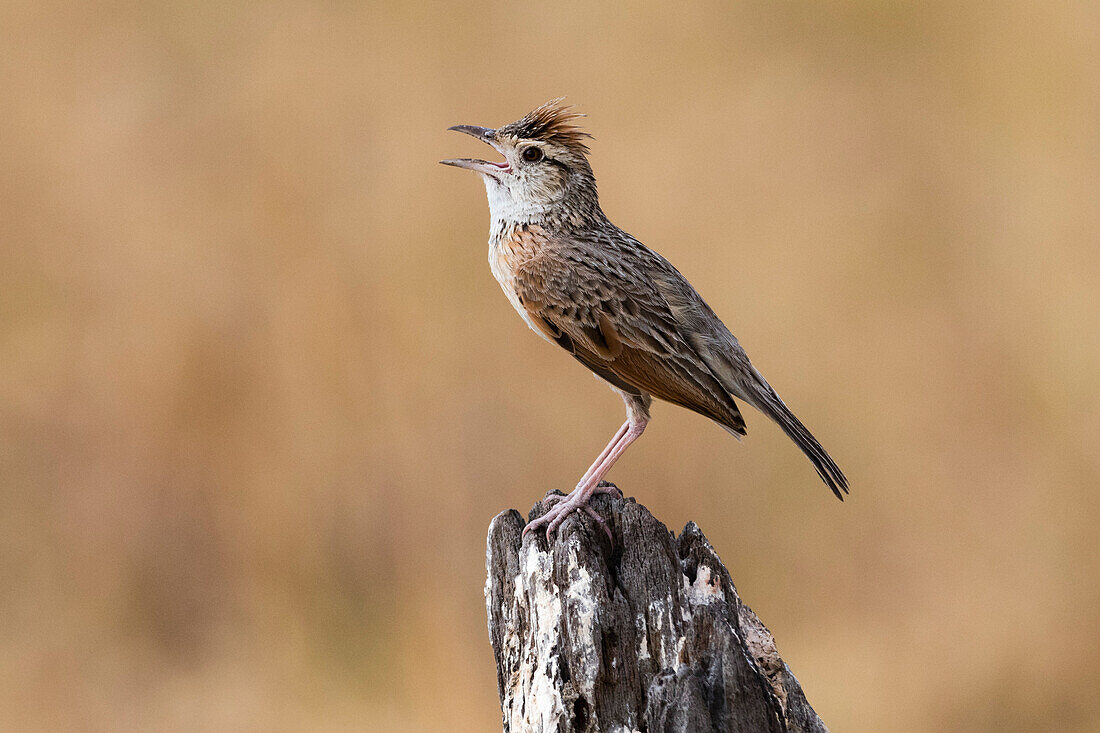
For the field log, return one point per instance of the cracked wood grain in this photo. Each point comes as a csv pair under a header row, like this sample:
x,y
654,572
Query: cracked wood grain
x,y
649,635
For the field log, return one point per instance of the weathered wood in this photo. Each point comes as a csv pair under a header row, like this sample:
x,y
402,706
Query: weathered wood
x,y
646,635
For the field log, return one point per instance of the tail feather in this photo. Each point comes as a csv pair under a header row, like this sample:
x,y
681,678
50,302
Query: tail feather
x,y
731,367
771,405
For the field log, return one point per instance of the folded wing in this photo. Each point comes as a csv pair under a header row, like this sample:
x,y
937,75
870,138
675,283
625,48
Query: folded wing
x,y
622,329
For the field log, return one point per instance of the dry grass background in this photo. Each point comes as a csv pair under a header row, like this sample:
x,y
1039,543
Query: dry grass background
x,y
260,396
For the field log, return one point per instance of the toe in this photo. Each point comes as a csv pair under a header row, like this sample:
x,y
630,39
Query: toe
x,y
600,521
606,487
535,524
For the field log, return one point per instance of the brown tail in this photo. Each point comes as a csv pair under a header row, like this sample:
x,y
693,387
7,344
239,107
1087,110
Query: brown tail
x,y
768,402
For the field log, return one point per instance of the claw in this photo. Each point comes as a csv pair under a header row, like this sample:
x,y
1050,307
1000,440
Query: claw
x,y
606,487
562,506
600,521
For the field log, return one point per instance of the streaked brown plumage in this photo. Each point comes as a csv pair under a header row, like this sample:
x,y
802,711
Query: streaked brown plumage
x,y
617,306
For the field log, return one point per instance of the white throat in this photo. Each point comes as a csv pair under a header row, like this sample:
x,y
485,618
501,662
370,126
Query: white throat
x,y
505,206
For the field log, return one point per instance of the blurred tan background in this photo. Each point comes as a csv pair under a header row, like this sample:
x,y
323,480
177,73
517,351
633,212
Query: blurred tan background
x,y
260,395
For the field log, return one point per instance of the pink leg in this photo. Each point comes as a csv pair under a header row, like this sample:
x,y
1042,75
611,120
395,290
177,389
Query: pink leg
x,y
606,451
637,409
555,498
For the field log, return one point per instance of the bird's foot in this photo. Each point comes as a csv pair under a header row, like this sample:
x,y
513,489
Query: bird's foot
x,y
560,507
604,487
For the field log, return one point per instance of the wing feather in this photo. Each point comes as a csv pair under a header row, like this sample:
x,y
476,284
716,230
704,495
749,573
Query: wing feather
x,y
623,330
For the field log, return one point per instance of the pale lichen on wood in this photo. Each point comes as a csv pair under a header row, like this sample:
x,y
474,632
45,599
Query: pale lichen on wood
x,y
646,635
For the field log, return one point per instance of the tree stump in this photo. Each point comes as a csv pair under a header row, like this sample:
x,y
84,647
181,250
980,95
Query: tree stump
x,y
647,634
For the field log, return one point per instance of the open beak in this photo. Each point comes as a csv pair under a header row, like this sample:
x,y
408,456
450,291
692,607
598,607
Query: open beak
x,y
485,135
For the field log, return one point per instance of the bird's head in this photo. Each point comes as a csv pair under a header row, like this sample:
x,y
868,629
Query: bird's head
x,y
545,171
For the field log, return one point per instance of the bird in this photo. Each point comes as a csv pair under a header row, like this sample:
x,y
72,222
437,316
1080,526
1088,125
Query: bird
x,y
617,306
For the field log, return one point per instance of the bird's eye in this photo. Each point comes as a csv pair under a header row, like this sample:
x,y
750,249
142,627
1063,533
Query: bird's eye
x,y
532,154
